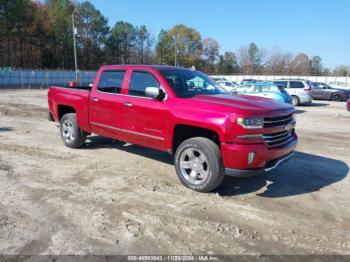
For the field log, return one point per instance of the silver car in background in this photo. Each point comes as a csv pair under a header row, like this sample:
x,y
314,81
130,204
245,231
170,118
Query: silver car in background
x,y
227,85
299,90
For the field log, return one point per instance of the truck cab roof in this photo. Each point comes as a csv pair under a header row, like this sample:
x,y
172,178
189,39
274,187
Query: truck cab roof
x,y
155,67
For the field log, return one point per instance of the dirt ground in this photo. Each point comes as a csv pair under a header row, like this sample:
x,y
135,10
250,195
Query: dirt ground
x,y
112,198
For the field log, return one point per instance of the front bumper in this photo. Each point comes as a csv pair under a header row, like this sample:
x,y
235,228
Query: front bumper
x,y
253,172
235,157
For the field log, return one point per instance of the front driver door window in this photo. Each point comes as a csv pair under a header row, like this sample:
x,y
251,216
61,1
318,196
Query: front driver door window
x,y
140,81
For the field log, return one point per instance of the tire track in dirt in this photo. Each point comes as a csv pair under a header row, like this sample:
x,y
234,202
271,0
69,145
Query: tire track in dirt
x,y
6,169
23,110
34,151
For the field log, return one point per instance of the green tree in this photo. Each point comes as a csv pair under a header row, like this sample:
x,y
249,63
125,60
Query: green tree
x,y
326,72
16,16
251,59
144,43
60,35
255,57
93,31
165,48
210,54
189,46
316,67
210,50
121,42
227,64
41,52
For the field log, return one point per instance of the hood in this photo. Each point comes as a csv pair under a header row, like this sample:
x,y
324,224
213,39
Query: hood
x,y
253,104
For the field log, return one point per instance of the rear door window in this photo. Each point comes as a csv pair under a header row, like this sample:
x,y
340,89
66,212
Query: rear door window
x,y
111,81
296,84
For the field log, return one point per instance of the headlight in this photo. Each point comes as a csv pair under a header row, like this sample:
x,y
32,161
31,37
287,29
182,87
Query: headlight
x,y
251,122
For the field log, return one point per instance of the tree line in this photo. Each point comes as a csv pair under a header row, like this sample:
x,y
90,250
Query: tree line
x,y
37,34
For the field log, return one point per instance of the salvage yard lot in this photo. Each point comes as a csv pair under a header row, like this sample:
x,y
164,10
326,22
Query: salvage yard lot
x,y
113,198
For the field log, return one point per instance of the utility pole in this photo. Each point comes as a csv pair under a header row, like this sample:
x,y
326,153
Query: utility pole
x,y
175,50
75,49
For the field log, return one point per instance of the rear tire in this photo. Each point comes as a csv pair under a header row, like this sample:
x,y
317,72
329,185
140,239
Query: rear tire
x,y
199,165
71,134
295,101
337,97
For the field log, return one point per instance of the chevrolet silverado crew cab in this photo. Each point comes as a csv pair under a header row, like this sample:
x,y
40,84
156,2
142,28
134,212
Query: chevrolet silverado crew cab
x,y
181,111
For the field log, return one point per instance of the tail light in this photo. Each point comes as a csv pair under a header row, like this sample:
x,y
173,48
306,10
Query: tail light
x,y
72,83
307,89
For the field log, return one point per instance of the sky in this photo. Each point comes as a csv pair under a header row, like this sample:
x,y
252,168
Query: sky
x,y
316,27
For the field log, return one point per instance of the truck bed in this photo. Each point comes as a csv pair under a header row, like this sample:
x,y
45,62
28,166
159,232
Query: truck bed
x,y
74,99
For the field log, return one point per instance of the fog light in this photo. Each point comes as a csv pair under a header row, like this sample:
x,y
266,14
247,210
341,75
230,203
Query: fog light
x,y
251,157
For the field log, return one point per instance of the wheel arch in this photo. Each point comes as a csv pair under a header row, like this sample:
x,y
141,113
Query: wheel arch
x,y
64,109
183,132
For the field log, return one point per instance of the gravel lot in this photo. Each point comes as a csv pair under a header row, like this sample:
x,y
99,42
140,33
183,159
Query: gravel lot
x,y
112,198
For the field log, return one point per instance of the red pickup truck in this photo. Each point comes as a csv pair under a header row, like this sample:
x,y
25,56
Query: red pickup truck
x,y
210,132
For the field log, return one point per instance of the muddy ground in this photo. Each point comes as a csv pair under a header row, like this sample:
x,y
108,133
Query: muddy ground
x,y
111,198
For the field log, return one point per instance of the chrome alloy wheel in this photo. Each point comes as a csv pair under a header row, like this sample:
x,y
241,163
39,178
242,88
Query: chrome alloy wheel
x,y
194,166
68,133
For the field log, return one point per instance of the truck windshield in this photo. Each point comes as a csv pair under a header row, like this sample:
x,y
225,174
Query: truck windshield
x,y
186,83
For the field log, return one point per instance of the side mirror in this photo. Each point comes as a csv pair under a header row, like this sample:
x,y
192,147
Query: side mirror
x,y
155,92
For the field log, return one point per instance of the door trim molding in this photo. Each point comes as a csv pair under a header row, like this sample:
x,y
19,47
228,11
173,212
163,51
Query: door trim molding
x,y
128,131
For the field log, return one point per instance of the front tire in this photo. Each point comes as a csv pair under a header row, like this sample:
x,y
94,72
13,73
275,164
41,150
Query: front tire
x,y
337,97
71,134
295,101
199,165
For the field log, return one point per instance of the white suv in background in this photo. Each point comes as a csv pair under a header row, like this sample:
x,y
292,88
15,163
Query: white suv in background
x,y
299,90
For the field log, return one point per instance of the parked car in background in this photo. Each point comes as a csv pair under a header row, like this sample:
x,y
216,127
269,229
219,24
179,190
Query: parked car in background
x,y
323,91
299,90
227,85
339,85
268,90
218,79
247,81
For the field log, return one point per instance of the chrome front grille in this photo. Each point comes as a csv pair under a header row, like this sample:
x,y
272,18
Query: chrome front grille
x,y
278,139
278,121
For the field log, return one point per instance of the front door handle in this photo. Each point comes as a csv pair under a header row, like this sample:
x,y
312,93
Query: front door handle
x,y
93,99
128,104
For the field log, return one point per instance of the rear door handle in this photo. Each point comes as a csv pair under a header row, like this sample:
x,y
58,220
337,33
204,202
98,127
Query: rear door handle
x,y
93,99
128,104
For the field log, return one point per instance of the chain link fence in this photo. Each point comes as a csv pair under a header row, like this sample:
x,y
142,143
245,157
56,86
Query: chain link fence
x,y
17,78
